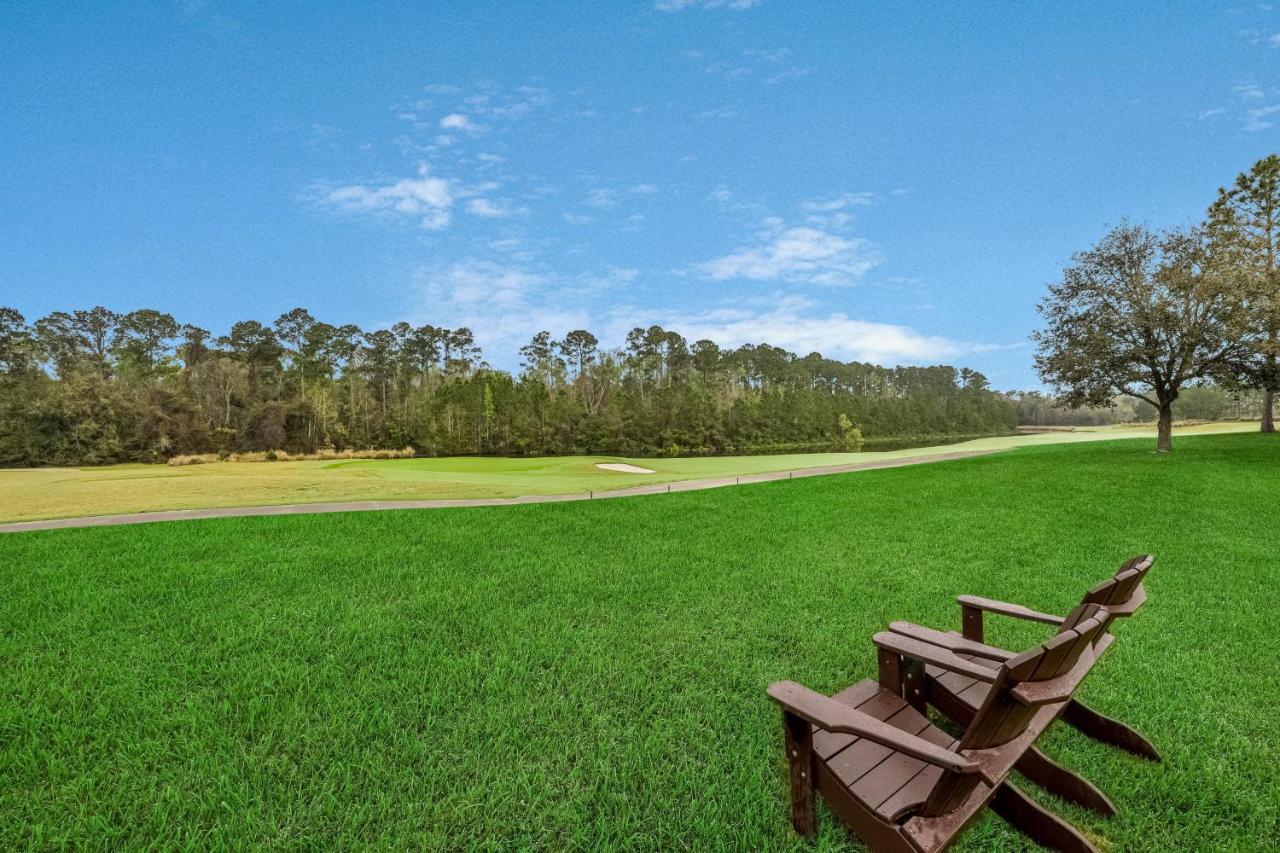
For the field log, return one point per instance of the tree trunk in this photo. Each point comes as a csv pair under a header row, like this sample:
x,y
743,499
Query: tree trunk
x,y
1268,418
1164,429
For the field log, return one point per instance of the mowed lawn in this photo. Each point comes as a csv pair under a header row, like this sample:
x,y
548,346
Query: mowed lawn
x,y
40,493
593,674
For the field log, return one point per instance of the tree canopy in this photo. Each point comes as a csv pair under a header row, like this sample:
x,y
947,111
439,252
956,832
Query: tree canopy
x,y
1142,314
93,386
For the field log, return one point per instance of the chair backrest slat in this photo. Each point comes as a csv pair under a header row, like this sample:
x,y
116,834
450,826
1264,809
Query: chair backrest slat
x,y
1118,588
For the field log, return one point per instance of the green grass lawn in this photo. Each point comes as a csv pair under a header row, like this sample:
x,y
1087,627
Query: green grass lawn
x,y
39,493
593,674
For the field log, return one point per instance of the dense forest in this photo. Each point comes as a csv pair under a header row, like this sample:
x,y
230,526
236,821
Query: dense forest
x,y
93,386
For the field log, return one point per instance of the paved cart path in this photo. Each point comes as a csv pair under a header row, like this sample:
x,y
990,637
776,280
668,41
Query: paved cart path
x,y
365,506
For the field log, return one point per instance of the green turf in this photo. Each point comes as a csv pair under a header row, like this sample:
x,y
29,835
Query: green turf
x,y
593,674
39,493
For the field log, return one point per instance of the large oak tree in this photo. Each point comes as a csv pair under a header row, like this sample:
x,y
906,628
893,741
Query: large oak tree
x,y
1141,314
1244,224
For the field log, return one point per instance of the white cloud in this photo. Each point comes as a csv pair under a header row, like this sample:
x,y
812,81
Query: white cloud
x,y
719,113
458,121
796,254
489,209
1248,91
502,304
426,198
1257,118
1274,41
840,202
789,325
727,70
493,104
793,73
832,213
477,282
643,189
613,278
602,199
678,5
773,57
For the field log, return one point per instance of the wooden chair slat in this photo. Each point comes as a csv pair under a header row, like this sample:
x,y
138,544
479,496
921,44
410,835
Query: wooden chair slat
x,y
1126,582
827,744
1056,651
954,681
857,760
858,694
911,796
885,780
975,695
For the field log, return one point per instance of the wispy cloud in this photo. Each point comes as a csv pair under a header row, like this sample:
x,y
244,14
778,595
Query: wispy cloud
x,y
503,304
458,121
1244,106
834,213
773,65
601,198
679,5
719,113
491,209
210,15
1259,117
840,202
792,323
426,198
793,73
795,254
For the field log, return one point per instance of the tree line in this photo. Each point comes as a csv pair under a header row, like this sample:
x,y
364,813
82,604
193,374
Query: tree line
x,y
1147,314
92,386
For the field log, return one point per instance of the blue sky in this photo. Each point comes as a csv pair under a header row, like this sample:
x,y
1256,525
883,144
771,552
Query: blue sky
x,y
885,182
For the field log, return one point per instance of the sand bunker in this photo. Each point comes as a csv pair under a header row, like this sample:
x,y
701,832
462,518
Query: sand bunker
x,y
624,468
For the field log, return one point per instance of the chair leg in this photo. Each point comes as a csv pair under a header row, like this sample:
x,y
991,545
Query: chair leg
x,y
1040,825
799,745
1060,781
1088,721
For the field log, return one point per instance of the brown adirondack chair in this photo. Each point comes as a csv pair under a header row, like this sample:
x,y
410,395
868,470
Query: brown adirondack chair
x,y
959,696
902,784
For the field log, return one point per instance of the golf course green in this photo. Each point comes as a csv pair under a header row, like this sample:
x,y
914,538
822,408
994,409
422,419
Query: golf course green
x,y
41,493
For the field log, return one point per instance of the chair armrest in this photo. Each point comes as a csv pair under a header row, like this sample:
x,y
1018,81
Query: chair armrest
x,y
936,655
827,713
1017,611
950,641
